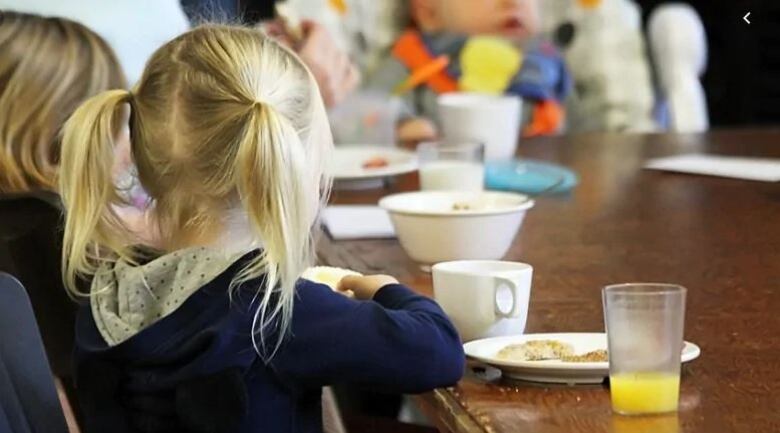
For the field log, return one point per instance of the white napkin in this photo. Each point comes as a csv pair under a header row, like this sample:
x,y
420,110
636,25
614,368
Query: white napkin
x,y
762,169
357,222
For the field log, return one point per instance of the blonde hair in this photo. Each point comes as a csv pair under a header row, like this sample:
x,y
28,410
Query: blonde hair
x,y
48,66
223,117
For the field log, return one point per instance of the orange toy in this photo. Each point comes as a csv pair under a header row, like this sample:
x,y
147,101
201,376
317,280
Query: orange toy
x,y
547,118
339,6
410,50
422,74
590,4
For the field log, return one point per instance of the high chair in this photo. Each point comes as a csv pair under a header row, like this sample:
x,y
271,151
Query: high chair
x,y
28,399
679,46
30,248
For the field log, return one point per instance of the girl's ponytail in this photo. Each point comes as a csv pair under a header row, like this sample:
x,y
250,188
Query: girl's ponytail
x,y
270,171
87,186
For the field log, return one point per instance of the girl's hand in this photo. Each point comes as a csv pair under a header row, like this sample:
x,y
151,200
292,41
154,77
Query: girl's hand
x,y
364,287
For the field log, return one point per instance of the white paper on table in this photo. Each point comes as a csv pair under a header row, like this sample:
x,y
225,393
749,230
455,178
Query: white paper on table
x,y
357,222
762,169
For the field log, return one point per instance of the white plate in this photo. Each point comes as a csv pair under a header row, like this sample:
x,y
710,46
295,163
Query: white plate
x,y
346,163
554,371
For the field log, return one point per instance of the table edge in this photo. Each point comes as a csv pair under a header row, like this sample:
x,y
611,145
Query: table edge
x,y
447,413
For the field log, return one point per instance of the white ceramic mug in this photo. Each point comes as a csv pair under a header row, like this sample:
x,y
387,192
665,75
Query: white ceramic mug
x,y
488,119
484,298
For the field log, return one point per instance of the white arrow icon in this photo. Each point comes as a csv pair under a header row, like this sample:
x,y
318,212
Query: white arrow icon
x,y
746,17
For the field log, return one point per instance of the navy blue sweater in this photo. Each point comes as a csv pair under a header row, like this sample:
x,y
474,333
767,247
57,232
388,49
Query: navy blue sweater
x,y
196,370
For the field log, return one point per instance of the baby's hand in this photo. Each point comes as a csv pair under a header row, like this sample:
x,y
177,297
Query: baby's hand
x,y
415,130
364,287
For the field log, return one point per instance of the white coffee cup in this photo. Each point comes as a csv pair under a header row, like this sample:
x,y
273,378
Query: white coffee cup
x,y
488,119
484,298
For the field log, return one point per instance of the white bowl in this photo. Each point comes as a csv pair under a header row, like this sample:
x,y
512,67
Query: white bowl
x,y
431,231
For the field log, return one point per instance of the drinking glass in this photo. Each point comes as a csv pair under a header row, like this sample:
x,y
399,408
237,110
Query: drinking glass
x,y
451,166
644,325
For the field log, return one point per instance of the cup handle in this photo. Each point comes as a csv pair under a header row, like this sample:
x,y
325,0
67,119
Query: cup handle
x,y
515,310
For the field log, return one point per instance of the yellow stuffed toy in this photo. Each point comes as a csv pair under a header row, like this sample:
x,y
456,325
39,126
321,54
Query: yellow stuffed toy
x,y
488,64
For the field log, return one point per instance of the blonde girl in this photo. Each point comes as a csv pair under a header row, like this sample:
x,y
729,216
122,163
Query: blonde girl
x,y
48,66
213,328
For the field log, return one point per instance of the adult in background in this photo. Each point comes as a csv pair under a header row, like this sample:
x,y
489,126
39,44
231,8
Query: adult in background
x,y
136,28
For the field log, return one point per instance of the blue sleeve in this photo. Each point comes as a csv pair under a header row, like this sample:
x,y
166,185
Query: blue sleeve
x,y
398,342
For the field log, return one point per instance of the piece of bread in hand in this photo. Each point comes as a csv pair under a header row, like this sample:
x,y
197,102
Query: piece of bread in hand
x,y
330,276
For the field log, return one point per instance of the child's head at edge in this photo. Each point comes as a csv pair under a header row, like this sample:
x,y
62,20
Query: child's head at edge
x,y
48,66
513,19
223,119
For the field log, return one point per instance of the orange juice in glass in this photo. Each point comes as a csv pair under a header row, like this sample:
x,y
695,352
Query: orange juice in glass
x,y
645,337
668,423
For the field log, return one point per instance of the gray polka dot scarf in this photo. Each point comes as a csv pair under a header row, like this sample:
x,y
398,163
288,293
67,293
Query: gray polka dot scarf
x,y
126,298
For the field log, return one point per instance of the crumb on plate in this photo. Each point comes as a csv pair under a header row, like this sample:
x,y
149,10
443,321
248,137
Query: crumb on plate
x,y
375,162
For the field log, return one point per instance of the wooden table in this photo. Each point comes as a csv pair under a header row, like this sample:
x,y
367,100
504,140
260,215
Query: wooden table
x,y
720,238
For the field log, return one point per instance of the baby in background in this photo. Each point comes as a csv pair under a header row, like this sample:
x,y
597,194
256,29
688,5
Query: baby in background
x,y
486,46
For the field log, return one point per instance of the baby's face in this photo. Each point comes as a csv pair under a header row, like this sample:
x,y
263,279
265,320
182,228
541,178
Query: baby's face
x,y
517,19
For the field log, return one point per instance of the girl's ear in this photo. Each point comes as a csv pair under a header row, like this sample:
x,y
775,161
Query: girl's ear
x,y
122,149
427,14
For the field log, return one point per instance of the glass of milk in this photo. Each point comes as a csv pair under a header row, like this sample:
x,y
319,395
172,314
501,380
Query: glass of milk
x,y
451,166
